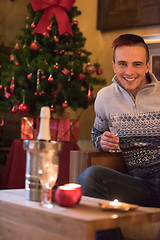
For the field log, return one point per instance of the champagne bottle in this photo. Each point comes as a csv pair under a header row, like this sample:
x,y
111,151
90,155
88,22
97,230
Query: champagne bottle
x,y
44,129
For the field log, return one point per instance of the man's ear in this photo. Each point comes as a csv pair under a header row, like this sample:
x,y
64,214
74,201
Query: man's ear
x,y
113,65
148,66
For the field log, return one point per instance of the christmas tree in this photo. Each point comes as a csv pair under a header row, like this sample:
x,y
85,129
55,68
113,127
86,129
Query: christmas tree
x,y
48,64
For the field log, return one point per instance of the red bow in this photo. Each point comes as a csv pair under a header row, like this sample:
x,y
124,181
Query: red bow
x,y
53,7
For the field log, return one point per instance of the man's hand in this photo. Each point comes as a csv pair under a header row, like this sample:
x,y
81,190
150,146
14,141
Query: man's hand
x,y
109,141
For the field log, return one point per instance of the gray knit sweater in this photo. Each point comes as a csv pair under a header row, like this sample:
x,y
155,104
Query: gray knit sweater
x,y
140,125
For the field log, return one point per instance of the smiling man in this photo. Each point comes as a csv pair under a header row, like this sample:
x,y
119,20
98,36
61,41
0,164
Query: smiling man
x,y
135,96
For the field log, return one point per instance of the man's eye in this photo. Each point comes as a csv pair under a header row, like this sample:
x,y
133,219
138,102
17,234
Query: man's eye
x,y
122,64
138,64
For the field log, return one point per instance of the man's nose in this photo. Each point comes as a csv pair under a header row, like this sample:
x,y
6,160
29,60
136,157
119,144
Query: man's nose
x,y
130,70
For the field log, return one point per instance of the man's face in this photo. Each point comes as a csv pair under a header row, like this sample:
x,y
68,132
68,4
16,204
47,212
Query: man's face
x,y
130,67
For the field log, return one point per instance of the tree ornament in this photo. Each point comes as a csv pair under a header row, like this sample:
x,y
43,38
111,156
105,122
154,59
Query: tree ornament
x,y
23,108
6,94
50,78
16,63
38,78
75,23
43,76
56,39
1,87
16,46
29,76
79,52
49,28
81,77
56,65
62,52
12,57
89,95
12,85
2,123
90,69
46,62
33,25
72,74
51,109
99,71
65,72
27,26
65,104
15,109
34,46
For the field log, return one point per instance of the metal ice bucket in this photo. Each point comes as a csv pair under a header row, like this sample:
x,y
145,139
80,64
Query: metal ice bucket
x,y
34,150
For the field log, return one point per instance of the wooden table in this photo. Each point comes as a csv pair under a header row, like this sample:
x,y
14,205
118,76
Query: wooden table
x,y
22,220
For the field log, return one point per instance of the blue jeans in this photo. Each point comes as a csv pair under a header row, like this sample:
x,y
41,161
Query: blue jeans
x,y
105,183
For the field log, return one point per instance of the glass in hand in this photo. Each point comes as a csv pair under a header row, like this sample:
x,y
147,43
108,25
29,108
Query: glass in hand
x,y
47,172
114,123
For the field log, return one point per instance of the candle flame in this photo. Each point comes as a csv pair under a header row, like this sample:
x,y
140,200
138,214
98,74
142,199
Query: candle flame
x,y
115,203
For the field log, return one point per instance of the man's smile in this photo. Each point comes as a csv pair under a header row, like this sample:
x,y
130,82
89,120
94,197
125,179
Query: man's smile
x,y
129,79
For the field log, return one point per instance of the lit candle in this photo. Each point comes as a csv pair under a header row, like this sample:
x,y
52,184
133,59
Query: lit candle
x,y
78,189
115,203
68,195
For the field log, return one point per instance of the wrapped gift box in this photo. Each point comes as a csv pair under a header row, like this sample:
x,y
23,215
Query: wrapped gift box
x,y
68,130
53,128
27,128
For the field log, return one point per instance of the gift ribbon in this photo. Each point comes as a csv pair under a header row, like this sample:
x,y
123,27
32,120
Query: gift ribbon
x,y
53,7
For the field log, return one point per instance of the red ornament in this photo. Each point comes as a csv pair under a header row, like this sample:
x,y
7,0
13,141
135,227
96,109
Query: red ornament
x,y
89,95
56,65
12,85
49,28
1,87
52,109
81,77
11,57
16,63
75,23
65,72
56,39
15,109
50,79
23,108
29,76
33,25
61,52
16,46
65,104
90,69
34,46
55,51
43,76
99,71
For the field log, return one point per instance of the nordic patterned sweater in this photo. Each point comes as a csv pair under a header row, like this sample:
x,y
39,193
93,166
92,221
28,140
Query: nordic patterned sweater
x,y
139,136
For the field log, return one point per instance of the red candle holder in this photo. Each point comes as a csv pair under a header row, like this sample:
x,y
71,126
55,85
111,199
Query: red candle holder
x,y
78,189
68,195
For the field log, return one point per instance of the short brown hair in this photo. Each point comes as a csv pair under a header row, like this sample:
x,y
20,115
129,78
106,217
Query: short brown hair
x,y
130,39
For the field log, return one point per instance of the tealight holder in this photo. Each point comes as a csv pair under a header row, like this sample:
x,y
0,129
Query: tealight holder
x,y
68,195
116,205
